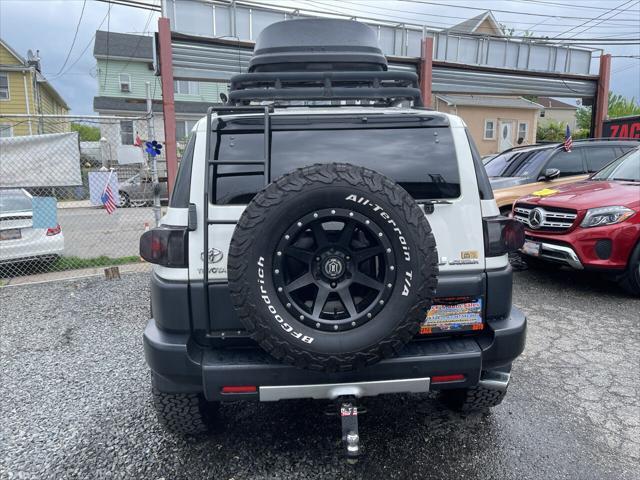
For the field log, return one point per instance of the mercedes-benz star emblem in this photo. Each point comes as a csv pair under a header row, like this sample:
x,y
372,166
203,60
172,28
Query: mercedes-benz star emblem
x,y
536,218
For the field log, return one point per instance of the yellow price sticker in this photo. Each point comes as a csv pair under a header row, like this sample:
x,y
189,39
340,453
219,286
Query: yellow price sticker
x,y
545,192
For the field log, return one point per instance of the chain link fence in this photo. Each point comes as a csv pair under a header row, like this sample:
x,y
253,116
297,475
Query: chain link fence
x,y
56,174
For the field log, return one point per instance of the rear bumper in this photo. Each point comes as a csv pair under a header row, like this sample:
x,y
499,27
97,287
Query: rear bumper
x,y
31,249
179,364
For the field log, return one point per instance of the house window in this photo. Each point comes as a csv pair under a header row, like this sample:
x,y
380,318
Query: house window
x,y
183,128
6,130
489,129
125,82
4,86
126,132
523,130
186,87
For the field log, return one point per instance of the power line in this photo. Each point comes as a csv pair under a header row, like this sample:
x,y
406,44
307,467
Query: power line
x,y
582,41
628,67
133,3
133,52
565,5
84,49
75,36
595,18
466,7
412,21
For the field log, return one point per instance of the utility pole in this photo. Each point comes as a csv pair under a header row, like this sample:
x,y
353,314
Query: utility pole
x,y
153,158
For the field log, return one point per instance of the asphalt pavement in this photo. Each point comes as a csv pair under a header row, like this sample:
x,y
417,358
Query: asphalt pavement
x,y
74,399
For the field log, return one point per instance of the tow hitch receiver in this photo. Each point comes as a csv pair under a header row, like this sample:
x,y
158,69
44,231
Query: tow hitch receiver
x,y
350,435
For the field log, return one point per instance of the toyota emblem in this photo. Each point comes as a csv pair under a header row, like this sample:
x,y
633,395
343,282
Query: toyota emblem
x,y
215,255
536,218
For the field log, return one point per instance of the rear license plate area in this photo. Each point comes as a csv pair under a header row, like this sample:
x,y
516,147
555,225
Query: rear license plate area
x,y
12,234
453,314
531,248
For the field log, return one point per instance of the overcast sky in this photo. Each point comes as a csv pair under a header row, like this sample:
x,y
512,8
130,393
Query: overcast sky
x,y
49,26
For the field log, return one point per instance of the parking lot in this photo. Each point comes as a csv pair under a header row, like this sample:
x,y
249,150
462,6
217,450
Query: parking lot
x,y
75,403
90,232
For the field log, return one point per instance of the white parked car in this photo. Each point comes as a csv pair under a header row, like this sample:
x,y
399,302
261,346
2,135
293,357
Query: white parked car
x,y
19,241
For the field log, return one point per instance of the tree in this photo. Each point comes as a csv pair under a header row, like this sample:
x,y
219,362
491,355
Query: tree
x,y
86,133
622,107
553,131
618,107
583,117
511,32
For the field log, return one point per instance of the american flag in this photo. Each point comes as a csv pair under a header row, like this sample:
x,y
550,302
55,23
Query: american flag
x,y
568,142
108,200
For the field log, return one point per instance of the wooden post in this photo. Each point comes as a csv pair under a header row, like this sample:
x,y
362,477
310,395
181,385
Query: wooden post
x,y
112,273
426,71
168,103
601,105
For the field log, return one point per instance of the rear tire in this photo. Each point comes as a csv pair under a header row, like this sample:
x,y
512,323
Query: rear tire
x,y
185,413
124,200
631,279
472,399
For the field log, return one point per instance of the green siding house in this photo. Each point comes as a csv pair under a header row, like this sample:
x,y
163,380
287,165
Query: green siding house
x,y
124,66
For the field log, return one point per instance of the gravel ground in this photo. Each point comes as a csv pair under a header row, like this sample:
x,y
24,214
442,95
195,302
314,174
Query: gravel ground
x,y
74,399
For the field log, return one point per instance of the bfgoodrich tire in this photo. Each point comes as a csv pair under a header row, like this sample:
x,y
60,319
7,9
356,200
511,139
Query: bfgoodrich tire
x,y
184,413
332,267
472,399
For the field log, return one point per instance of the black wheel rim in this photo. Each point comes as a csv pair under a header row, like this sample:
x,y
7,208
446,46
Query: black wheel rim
x,y
334,269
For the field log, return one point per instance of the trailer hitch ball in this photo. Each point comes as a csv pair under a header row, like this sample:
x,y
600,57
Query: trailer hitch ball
x,y
350,435
353,447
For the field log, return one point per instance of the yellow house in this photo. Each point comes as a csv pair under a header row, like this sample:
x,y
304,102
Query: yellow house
x,y
24,90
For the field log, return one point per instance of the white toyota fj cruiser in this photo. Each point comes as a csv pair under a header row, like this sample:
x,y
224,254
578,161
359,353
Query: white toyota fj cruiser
x,y
328,238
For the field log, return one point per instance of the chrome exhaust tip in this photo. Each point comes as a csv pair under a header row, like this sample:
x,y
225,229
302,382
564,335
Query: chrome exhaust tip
x,y
494,380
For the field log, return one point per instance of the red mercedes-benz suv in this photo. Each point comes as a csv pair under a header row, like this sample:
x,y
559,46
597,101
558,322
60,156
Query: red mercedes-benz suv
x,y
591,224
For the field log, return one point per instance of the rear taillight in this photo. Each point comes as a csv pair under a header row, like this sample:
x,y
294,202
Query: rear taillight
x,y
502,235
165,246
54,231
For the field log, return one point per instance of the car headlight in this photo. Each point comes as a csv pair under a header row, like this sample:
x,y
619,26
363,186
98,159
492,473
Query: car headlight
x,y
597,217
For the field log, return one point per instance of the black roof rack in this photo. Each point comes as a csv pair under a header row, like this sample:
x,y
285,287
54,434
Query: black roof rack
x,y
389,87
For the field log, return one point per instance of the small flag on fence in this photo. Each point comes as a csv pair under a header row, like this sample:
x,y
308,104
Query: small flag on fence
x,y
107,197
568,142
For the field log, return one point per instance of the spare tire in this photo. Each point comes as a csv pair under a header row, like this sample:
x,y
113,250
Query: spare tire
x,y
332,267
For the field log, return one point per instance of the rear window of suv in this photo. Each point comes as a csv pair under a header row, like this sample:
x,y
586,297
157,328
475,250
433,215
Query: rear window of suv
x,y
421,160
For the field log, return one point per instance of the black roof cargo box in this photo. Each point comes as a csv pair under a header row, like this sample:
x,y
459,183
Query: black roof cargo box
x,y
316,44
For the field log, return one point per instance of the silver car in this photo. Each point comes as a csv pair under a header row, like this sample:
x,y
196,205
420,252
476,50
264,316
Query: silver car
x,y
19,241
137,191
